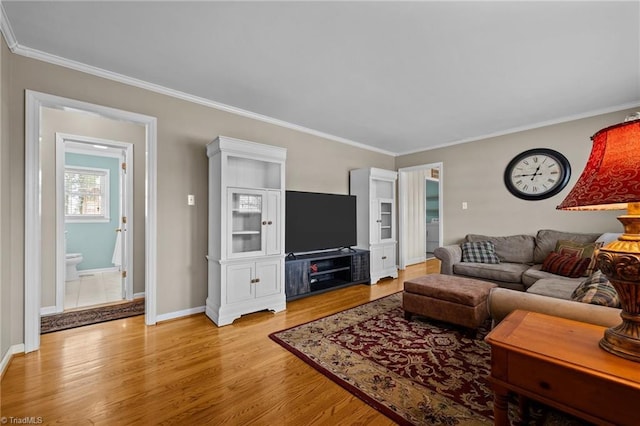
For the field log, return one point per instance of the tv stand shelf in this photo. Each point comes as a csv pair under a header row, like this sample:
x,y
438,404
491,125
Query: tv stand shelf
x,y
309,274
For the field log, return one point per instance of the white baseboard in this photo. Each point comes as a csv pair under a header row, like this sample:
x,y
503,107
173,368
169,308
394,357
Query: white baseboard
x,y
415,260
48,310
97,270
179,314
6,359
138,295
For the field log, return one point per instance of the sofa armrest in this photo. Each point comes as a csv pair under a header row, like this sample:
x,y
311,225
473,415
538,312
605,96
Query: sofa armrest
x,y
502,301
448,256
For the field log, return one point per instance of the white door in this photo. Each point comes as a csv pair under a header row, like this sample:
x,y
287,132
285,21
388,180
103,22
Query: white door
x,y
386,231
120,252
267,278
376,221
239,283
272,227
389,256
248,223
377,260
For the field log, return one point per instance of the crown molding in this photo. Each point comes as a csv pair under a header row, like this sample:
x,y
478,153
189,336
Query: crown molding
x,y
120,78
547,123
7,31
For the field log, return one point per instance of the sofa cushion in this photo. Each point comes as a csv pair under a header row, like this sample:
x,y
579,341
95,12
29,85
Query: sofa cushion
x,y
479,252
585,250
554,287
514,248
506,272
535,273
565,265
546,239
597,290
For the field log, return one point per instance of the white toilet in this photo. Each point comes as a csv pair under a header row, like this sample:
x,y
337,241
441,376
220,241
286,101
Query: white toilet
x,y
72,260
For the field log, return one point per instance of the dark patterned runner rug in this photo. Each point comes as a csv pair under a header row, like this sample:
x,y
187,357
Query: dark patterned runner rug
x,y
81,317
415,372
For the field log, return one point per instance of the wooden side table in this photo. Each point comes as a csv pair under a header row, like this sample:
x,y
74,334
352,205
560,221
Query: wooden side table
x,y
558,362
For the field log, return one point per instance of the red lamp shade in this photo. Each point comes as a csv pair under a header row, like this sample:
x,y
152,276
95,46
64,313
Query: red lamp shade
x,y
611,178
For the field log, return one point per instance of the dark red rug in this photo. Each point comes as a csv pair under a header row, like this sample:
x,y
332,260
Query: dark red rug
x,y
416,372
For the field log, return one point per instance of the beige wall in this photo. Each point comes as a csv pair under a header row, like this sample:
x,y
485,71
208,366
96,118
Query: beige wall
x,y
473,172
184,129
79,124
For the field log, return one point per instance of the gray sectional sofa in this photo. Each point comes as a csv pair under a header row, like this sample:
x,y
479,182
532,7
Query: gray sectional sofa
x,y
521,258
522,283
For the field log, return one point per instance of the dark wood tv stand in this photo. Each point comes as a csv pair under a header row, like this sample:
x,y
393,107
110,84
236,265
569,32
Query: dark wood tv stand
x,y
313,273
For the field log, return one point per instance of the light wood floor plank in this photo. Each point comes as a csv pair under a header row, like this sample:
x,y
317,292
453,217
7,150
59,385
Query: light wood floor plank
x,y
189,371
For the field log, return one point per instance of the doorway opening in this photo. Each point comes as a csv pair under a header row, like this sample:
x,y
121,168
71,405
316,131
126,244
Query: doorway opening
x,y
94,232
432,211
420,221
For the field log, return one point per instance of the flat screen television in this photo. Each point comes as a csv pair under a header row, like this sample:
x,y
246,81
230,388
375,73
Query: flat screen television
x,y
317,221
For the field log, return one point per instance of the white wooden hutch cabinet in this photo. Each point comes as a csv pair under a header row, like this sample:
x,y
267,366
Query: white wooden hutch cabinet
x,y
246,229
376,210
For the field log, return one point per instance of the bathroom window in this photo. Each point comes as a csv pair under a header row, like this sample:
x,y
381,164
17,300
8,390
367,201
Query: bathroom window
x,y
86,194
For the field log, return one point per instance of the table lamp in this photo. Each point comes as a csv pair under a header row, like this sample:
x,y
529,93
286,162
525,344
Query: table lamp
x,y
611,181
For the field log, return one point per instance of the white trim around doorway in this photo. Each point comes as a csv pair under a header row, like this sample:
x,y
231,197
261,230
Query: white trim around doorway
x,y
33,216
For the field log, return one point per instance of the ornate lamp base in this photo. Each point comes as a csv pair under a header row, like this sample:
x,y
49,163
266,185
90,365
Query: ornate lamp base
x,y
620,262
617,341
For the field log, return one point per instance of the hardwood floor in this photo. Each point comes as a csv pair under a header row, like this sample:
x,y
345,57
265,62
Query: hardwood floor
x,y
189,371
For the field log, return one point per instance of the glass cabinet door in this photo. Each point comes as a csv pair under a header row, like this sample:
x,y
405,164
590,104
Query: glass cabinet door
x,y
246,222
385,220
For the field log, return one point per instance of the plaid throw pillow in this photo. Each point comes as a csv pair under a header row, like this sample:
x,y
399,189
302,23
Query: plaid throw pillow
x,y
479,252
596,290
567,266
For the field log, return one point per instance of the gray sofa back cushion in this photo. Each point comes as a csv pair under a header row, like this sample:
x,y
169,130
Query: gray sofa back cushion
x,y
513,249
546,239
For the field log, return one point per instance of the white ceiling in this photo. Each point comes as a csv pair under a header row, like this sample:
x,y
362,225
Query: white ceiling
x,y
398,77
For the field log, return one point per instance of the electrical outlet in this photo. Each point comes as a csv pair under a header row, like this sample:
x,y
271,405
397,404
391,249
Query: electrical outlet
x,y
464,205
191,200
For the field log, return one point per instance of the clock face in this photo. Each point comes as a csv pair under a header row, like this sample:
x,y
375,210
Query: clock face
x,y
537,174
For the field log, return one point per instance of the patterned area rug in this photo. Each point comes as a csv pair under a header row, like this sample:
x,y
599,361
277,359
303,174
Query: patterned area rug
x,y
416,372
72,319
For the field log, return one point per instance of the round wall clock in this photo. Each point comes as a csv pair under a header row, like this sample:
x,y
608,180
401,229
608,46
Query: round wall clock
x,y
537,174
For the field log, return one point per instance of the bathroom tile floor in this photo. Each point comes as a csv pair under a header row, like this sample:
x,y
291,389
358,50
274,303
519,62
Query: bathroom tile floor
x,y
93,289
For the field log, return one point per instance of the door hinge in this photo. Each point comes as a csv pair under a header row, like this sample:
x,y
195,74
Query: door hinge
x,y
124,274
124,219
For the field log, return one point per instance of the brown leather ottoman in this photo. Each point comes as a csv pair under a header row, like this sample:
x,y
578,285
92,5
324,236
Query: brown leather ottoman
x,y
457,300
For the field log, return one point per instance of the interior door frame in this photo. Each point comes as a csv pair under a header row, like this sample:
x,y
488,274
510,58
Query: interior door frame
x,y
33,216
402,207
125,194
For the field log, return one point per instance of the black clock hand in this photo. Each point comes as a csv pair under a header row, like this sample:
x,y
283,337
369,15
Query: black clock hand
x,y
533,176
529,174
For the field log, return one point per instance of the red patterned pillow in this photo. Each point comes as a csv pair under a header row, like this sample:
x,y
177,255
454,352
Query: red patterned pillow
x,y
567,266
572,248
